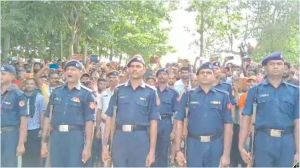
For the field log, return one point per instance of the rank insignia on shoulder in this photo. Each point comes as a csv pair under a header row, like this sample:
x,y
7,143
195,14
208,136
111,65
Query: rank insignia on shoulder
x,y
92,105
22,103
229,106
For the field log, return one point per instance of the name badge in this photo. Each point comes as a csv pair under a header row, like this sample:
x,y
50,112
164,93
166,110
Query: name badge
x,y
215,102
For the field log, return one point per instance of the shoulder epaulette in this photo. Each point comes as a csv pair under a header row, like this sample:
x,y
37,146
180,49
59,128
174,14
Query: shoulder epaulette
x,y
119,85
151,87
222,91
86,88
292,85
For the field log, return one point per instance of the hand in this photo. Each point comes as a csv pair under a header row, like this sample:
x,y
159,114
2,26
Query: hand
x,y
20,149
86,155
225,161
44,150
184,132
246,156
150,159
172,135
106,157
180,159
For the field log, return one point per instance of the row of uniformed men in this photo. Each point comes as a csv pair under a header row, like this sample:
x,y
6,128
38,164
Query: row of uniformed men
x,y
142,122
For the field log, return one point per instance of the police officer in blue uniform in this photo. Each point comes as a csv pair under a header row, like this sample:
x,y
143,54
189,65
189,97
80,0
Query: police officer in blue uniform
x,y
221,85
277,118
71,114
209,123
168,105
135,109
14,117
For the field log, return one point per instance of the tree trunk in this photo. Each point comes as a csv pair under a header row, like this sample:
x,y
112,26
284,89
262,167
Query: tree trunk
x,y
6,45
111,54
201,31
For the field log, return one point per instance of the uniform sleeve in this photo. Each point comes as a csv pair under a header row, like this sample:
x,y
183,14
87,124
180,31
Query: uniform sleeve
x,y
175,102
180,115
22,105
112,102
227,116
50,103
90,107
153,107
248,110
231,97
296,108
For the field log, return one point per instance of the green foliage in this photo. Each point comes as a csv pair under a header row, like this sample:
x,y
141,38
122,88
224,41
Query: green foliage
x,y
108,28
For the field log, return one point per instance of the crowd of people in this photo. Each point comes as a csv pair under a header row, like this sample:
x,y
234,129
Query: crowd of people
x,y
101,113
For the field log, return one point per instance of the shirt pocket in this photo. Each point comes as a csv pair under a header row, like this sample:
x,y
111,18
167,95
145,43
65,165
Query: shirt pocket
x,y
167,100
262,100
143,105
7,106
194,105
287,106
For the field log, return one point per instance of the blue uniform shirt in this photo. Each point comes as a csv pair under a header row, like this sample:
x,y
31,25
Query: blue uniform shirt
x,y
135,107
168,101
276,107
207,113
71,107
13,105
228,88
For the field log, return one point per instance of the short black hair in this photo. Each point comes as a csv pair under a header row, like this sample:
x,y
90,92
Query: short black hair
x,y
184,69
287,64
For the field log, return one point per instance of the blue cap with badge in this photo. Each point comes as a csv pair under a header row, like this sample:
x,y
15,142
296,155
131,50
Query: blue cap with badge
x,y
161,70
274,56
136,58
206,65
75,64
9,68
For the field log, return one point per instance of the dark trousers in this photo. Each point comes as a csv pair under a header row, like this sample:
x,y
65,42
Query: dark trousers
x,y
66,148
31,157
96,158
163,143
9,142
130,149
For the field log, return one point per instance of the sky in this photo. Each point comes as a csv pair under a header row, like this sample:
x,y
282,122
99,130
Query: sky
x,y
179,37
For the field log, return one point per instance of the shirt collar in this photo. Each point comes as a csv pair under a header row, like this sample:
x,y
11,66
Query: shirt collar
x,y
78,86
128,83
199,89
266,82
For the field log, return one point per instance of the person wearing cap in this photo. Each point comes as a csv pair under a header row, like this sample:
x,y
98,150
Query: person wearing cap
x,y
209,125
151,80
276,141
134,108
70,115
14,118
168,104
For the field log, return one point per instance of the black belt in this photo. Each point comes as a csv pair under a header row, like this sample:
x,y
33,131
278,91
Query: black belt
x,y
131,128
8,129
205,138
165,116
276,132
68,128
